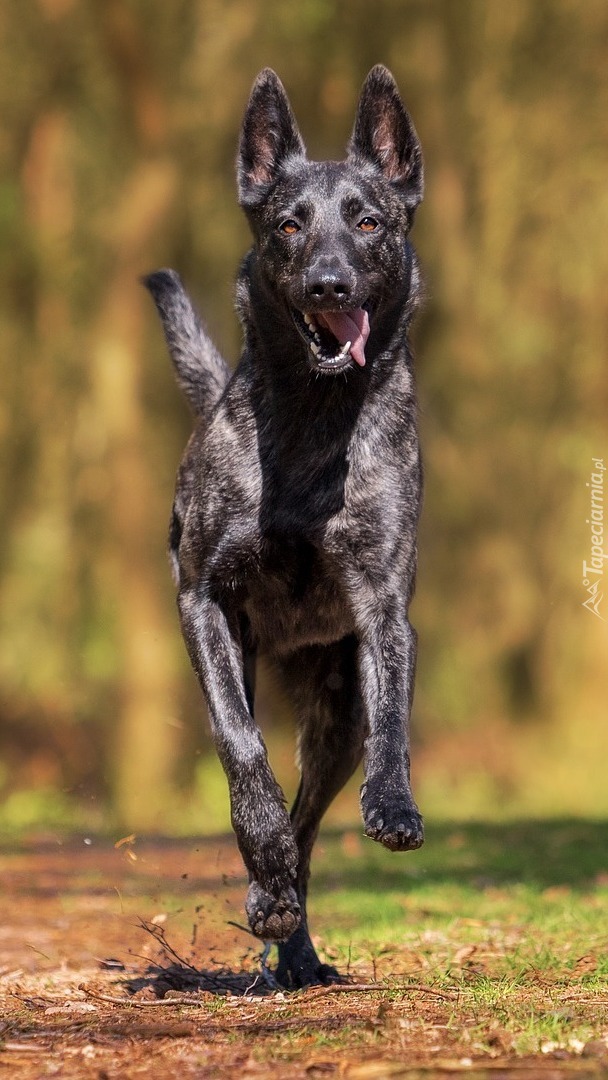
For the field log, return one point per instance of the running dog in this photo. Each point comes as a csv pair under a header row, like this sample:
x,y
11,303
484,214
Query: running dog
x,y
293,531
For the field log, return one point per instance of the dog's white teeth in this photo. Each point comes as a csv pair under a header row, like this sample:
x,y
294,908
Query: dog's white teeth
x,y
315,348
309,321
344,351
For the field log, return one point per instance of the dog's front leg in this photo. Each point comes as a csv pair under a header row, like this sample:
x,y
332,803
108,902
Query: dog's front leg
x,y
387,658
260,820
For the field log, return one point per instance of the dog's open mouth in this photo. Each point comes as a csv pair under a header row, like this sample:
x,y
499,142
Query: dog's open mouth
x,y
335,338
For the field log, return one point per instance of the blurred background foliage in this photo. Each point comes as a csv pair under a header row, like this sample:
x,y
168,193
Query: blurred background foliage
x,y
119,125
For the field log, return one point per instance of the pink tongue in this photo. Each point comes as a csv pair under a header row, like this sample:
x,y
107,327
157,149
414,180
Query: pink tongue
x,y
346,326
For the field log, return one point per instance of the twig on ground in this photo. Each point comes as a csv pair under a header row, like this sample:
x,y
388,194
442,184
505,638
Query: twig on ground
x,y
344,988
267,976
139,1004
245,929
158,933
573,1000
21,1048
310,993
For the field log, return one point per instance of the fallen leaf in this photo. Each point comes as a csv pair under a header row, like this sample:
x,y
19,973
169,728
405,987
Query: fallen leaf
x,y
585,964
130,839
465,953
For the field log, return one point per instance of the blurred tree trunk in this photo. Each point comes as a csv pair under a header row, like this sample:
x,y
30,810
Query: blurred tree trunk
x,y
145,748
145,752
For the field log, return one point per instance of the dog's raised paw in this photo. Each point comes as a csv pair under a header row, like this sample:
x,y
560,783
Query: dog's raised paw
x,y
270,917
395,822
401,838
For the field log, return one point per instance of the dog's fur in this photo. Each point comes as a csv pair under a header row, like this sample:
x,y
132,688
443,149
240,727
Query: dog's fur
x,y
294,523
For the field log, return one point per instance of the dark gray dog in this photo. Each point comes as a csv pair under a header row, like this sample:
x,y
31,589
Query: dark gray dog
x,y
294,523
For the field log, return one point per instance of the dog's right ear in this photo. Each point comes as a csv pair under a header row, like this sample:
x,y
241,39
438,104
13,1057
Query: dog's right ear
x,y
269,137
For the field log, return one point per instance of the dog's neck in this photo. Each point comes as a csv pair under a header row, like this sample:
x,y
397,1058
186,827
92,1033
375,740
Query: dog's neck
x,y
306,421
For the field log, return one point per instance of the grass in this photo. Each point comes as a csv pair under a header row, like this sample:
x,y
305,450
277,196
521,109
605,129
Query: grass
x,y
512,918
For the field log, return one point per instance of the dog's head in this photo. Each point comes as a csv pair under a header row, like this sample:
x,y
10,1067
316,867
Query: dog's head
x,y
332,236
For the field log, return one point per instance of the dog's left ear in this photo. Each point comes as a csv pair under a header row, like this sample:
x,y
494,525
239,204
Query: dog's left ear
x,y
269,137
385,135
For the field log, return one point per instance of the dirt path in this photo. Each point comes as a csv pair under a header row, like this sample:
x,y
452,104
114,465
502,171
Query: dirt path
x,y
88,989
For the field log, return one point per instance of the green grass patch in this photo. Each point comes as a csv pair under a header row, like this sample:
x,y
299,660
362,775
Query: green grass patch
x,y
510,920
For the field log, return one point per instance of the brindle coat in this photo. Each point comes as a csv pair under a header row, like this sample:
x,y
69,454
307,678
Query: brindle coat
x,y
297,502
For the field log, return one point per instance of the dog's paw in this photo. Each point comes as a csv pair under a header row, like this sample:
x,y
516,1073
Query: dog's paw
x,y
299,965
297,976
272,918
392,820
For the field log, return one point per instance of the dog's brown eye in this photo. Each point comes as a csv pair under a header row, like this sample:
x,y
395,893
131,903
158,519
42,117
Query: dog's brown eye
x,y
289,227
367,224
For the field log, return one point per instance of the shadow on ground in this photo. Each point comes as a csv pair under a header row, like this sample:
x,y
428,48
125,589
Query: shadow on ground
x,y
183,979
538,853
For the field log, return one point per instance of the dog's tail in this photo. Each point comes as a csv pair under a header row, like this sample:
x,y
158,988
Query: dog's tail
x,y
201,372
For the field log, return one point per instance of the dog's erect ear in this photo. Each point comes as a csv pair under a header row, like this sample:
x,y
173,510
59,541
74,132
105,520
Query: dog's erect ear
x,y
268,138
384,134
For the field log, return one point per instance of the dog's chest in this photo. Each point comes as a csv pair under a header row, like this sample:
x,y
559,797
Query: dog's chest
x,y
295,598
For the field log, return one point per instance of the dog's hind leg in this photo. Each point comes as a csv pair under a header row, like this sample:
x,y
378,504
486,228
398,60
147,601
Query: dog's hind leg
x,y
323,682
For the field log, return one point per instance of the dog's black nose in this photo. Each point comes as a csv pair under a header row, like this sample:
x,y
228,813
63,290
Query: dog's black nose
x,y
326,283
